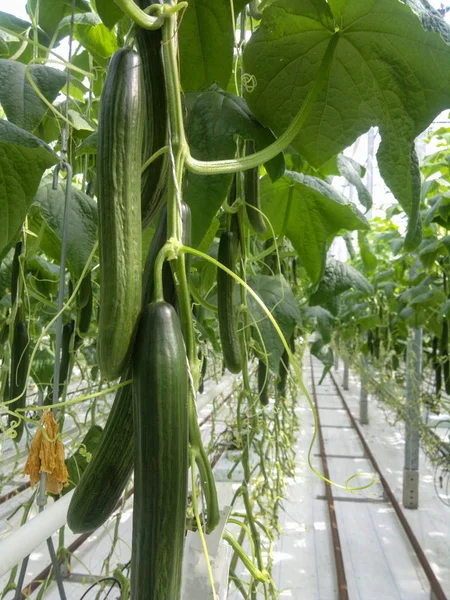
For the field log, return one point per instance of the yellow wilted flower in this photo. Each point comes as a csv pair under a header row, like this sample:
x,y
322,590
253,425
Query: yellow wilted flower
x,y
47,456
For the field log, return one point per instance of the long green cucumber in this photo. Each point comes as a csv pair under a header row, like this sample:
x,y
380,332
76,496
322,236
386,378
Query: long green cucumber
x,y
251,192
120,136
226,305
445,356
15,272
106,475
160,415
154,178
263,383
437,367
18,374
67,333
283,374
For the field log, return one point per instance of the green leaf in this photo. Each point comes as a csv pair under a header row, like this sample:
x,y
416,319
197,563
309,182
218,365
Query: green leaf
x,y
279,298
88,145
338,278
51,12
353,173
79,122
387,71
23,160
21,104
82,229
368,257
309,212
324,353
414,232
109,12
214,119
16,25
323,319
6,272
92,34
206,44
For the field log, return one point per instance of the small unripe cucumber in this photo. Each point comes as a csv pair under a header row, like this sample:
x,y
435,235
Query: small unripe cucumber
x,y
226,305
18,374
263,383
120,137
251,191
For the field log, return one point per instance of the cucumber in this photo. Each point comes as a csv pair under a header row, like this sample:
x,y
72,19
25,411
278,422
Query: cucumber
x,y
201,386
107,474
18,374
251,193
84,317
226,305
283,373
444,356
120,136
15,272
85,291
437,367
154,178
160,415
158,241
67,333
77,463
263,383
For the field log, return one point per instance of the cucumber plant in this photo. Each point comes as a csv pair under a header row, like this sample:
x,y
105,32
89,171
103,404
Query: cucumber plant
x,y
206,175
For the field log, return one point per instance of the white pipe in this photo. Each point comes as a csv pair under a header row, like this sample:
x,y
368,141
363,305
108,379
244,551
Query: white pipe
x,y
21,542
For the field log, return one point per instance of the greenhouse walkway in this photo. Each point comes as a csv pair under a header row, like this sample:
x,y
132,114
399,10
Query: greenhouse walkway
x,y
378,559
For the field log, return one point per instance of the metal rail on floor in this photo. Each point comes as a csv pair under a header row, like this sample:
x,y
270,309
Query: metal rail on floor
x,y
337,548
435,585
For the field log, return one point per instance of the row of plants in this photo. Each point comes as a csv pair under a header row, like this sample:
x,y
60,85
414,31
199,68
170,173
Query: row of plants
x,y
193,207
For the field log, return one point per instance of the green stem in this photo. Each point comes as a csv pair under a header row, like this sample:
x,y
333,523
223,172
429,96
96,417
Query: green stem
x,y
199,300
177,144
153,157
254,160
139,16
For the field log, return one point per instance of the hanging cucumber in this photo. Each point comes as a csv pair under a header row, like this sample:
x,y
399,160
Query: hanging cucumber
x,y
160,414
437,367
201,386
263,383
84,317
120,136
158,241
283,374
67,333
18,374
15,272
226,305
109,470
85,291
444,356
154,178
251,193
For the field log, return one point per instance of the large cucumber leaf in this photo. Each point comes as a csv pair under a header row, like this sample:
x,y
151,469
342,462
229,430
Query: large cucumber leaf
x,y
387,71
23,160
310,213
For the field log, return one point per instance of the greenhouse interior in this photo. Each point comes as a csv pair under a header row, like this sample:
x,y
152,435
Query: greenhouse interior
x,y
258,406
